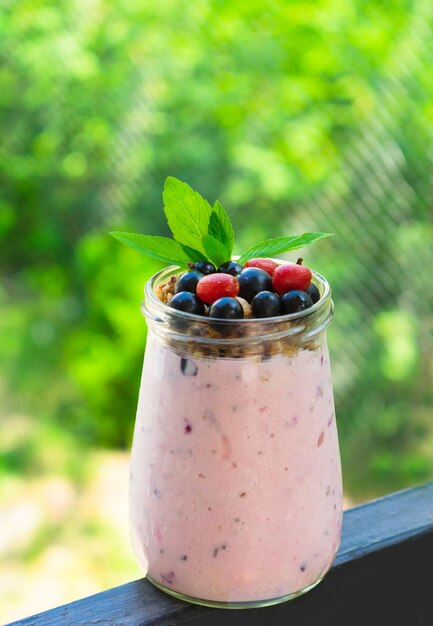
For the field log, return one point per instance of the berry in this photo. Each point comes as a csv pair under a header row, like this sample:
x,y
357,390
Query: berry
x,y
314,293
264,264
204,267
291,276
231,267
227,309
251,281
187,302
188,282
188,367
266,304
211,288
294,301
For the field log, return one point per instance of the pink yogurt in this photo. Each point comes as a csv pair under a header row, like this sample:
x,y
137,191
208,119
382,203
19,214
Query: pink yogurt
x,y
236,492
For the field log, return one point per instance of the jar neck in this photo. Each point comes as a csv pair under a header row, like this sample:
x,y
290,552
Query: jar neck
x,y
185,331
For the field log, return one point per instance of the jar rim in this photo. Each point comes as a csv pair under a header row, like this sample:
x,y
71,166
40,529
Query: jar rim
x,y
151,300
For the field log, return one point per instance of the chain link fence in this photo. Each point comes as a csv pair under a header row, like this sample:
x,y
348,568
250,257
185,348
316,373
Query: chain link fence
x,y
380,207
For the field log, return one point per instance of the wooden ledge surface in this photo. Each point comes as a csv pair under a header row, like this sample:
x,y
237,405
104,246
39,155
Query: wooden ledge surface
x,y
383,574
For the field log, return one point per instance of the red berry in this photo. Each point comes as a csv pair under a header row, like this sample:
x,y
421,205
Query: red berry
x,y
215,286
264,264
291,276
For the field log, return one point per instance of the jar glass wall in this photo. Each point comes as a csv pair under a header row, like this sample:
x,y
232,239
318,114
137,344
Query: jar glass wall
x,y
235,485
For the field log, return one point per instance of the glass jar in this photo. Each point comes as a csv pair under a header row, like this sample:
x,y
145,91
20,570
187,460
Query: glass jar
x,y
235,484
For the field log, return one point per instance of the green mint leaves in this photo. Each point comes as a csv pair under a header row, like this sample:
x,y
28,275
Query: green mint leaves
x,y
202,232
220,227
272,247
161,248
188,214
195,223
220,239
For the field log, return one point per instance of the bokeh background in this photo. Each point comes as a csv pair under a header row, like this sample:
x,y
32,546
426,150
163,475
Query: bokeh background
x,y
297,116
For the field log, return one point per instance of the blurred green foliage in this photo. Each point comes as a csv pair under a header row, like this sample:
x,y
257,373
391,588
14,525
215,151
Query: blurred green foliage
x,y
271,108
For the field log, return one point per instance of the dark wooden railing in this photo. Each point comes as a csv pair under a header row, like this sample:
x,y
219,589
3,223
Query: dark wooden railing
x,y
383,575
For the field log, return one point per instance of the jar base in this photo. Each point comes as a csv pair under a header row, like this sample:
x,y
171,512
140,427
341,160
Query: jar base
x,y
249,604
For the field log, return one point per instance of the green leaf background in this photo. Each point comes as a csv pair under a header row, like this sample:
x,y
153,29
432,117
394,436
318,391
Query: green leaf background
x,y
282,133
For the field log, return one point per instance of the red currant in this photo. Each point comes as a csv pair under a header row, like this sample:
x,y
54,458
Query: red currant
x,y
264,264
291,276
214,286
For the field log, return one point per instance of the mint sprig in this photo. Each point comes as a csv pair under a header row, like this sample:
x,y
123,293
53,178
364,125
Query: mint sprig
x,y
202,232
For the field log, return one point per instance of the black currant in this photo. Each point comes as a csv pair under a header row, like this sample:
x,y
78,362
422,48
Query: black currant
x,y
188,282
187,302
227,309
231,267
313,292
252,280
204,267
294,301
266,304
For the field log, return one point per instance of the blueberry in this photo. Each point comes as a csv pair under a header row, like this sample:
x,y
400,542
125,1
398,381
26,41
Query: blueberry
x,y
231,267
187,302
227,309
188,368
266,304
188,282
204,267
294,301
252,280
313,292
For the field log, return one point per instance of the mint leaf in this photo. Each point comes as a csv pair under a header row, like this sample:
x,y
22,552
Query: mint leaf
x,y
220,227
187,213
216,250
162,248
271,247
